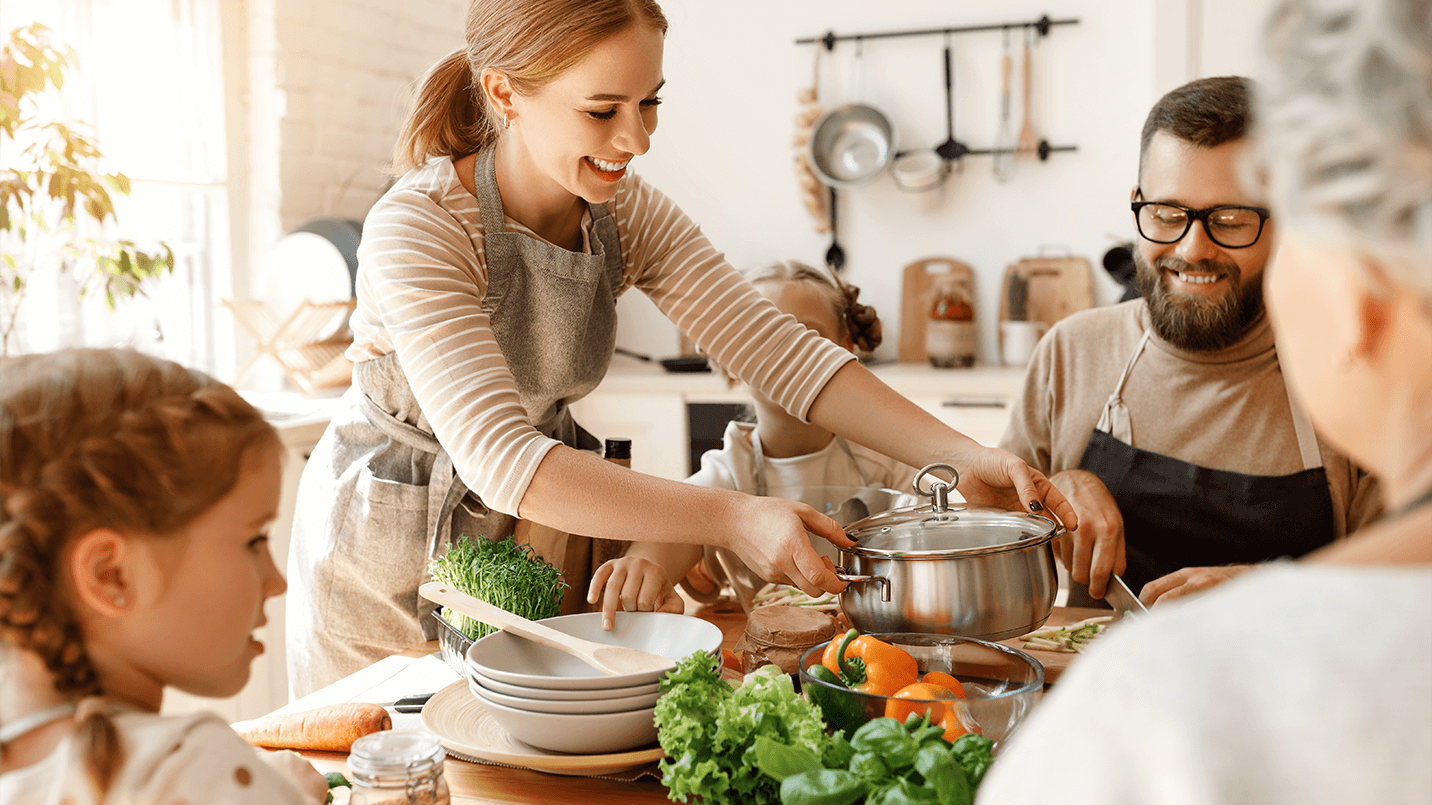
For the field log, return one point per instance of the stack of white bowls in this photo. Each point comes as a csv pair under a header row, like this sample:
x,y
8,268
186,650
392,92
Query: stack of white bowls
x,y
552,700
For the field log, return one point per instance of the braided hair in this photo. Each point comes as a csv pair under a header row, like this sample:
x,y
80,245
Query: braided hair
x,y
860,323
93,438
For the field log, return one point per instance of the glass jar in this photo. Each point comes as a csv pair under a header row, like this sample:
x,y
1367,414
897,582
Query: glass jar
x,y
398,767
951,339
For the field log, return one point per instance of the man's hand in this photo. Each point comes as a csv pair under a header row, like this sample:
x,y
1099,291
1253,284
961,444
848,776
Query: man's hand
x,y
1188,580
1094,550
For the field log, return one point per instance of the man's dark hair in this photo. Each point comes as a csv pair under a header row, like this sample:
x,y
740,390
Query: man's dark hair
x,y
1207,113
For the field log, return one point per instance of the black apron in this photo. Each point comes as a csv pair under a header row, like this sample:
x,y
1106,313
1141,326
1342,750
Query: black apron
x,y
1178,514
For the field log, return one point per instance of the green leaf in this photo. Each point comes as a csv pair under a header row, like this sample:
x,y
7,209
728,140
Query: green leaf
x,y
781,760
823,787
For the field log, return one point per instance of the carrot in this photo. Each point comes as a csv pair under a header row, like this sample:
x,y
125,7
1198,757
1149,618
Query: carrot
x,y
332,728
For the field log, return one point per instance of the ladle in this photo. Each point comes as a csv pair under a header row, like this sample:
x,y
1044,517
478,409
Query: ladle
x,y
835,255
951,149
611,660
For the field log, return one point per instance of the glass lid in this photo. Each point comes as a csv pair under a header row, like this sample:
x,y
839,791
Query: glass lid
x,y
939,529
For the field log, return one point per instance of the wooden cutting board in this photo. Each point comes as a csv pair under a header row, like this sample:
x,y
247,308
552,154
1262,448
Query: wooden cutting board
x,y
917,284
1054,287
1055,662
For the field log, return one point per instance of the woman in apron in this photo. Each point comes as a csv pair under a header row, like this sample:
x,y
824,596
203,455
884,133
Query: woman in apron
x,y
486,292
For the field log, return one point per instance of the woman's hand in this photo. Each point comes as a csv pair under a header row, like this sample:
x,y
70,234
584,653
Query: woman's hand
x,y
993,477
633,584
769,534
1188,580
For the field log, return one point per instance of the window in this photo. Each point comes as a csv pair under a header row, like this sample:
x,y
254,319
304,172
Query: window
x,y
150,83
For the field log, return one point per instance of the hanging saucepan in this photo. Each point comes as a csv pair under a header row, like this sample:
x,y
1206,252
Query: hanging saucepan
x,y
972,571
927,169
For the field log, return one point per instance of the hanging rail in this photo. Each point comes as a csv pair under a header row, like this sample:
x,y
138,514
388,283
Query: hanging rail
x,y
1042,25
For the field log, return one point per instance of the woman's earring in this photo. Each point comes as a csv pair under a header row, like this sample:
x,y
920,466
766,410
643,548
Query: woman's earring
x,y
120,601
506,121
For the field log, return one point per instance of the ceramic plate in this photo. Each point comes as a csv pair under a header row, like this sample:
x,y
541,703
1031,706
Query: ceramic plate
x,y
465,727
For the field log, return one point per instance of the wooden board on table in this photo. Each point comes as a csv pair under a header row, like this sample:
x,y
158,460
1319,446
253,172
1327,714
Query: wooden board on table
x,y
1054,287
1055,662
917,284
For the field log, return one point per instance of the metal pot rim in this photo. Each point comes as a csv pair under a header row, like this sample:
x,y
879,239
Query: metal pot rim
x,y
952,553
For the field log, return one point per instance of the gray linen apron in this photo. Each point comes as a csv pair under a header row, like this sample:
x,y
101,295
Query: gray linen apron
x,y
379,497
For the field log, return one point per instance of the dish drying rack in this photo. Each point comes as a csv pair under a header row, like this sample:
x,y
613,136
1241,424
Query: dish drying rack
x,y
309,344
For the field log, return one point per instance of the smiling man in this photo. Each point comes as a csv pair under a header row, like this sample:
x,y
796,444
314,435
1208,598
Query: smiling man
x,y
1165,420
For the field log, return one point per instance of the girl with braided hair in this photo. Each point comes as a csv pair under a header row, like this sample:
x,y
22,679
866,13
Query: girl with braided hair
x,y
135,495
774,450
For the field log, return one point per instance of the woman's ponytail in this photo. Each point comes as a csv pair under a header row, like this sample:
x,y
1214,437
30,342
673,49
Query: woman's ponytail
x,y
449,117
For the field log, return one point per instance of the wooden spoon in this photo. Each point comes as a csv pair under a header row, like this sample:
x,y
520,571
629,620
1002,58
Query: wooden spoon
x,y
611,660
1028,143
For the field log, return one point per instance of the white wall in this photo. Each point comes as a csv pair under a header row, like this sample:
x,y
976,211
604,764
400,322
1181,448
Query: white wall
x,y
723,149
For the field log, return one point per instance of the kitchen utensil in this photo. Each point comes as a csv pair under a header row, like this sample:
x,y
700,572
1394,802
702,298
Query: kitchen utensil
x,y
606,704
610,659
684,363
1122,599
917,281
1002,684
951,149
467,730
972,571
590,734
1017,340
835,255
851,145
1003,155
918,171
1027,145
519,661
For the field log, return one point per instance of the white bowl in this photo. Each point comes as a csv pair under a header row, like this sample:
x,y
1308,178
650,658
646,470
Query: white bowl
x,y
617,704
557,694
578,734
519,661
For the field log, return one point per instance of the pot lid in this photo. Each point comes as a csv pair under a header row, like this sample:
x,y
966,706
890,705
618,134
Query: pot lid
x,y
938,529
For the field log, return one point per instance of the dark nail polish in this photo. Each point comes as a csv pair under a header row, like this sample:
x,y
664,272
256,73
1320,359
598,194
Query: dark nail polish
x,y
1036,506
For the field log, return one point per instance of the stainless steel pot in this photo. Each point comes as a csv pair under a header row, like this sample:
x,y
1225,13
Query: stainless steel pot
x,y
851,144
972,571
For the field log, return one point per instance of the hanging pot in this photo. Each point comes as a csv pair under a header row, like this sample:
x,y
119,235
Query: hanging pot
x,y
851,145
972,571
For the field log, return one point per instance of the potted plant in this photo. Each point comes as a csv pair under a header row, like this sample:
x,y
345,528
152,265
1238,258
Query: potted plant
x,y
54,201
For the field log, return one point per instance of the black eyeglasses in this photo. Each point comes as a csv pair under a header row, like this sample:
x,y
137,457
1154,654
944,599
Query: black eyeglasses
x,y
1231,227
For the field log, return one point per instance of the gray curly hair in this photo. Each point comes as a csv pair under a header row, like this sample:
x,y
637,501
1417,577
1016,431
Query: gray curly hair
x,y
1346,128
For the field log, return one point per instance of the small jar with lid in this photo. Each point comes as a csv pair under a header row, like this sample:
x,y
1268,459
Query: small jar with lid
x,y
398,767
779,634
951,339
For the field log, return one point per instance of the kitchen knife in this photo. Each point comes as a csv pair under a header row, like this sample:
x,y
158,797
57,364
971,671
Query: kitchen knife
x,y
1122,599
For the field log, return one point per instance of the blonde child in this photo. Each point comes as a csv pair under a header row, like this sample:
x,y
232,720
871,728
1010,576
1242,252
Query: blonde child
x,y
135,496
776,450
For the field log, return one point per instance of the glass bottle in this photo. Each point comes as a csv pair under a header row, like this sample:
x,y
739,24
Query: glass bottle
x,y
398,767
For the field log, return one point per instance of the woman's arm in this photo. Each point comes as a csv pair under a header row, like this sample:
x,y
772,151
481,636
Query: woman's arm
x,y
887,422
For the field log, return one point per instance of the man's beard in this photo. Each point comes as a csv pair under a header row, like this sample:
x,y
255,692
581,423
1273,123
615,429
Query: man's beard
x,y
1197,323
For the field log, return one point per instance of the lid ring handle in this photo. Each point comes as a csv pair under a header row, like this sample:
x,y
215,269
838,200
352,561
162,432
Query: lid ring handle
x,y
939,491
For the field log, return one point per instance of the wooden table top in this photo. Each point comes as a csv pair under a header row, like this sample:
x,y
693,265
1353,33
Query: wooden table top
x,y
473,783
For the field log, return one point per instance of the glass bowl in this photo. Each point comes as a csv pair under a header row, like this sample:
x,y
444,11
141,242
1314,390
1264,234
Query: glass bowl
x,y
1001,684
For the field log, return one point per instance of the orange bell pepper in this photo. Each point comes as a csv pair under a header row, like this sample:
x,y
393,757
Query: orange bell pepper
x,y
869,665
949,713
944,680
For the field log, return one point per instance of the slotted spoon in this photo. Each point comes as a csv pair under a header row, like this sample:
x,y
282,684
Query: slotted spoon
x,y
610,660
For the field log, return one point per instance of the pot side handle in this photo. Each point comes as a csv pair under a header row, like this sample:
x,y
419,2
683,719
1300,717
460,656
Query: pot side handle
x,y
844,575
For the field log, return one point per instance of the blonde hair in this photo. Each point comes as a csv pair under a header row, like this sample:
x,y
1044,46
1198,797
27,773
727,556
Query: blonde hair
x,y
94,438
1347,128
531,42
860,323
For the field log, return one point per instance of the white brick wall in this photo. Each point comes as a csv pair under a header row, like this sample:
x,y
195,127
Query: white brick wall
x,y
346,70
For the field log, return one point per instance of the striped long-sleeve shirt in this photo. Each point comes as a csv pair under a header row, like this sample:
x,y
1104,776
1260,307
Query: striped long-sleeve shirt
x,y
422,277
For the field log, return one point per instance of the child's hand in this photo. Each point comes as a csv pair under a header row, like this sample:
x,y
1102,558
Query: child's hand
x,y
633,584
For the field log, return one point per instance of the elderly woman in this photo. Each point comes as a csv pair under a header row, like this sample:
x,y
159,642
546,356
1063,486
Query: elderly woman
x,y
1308,682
